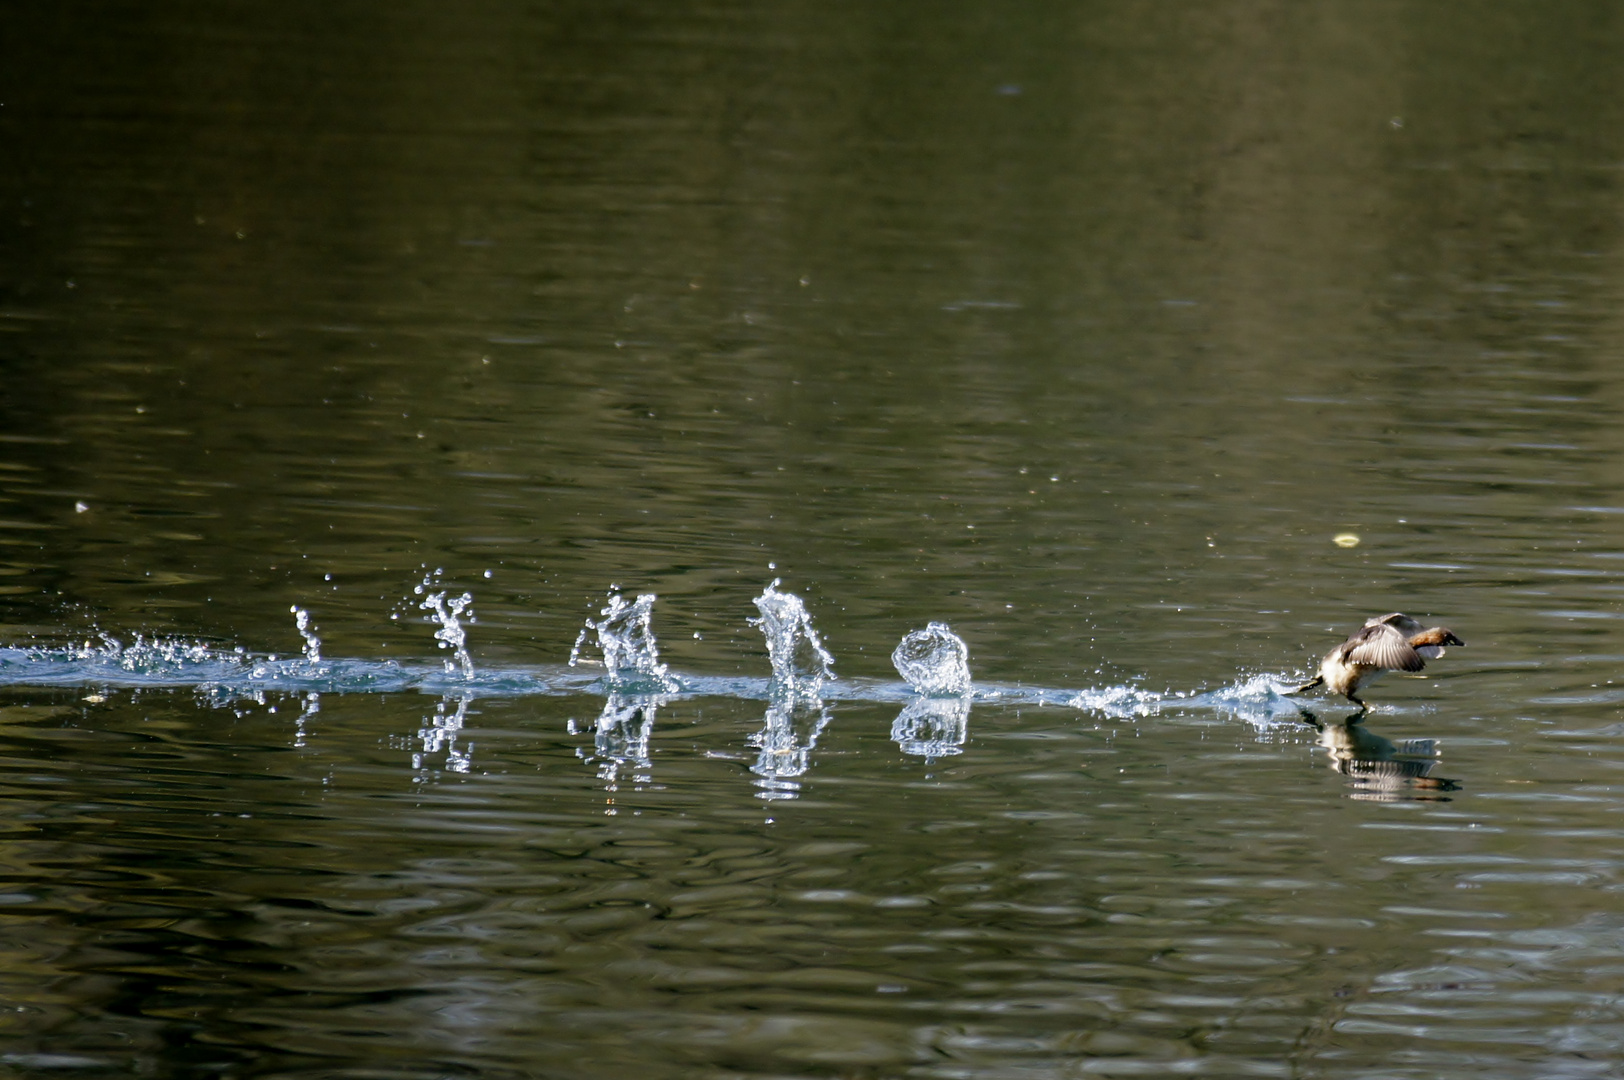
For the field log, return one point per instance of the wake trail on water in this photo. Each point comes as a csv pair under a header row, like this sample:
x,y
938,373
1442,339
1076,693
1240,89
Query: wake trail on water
x,y
616,657
228,673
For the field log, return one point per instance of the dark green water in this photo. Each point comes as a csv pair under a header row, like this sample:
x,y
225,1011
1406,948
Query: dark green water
x,y
1082,328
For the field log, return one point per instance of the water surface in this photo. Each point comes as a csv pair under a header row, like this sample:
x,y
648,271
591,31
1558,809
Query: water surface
x,y
1083,330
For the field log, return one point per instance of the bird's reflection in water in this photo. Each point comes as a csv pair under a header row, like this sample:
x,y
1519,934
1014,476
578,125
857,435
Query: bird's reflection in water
x,y
1379,769
933,727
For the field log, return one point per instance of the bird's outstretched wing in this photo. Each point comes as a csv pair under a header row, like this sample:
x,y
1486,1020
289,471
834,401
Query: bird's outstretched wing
x,y
1380,645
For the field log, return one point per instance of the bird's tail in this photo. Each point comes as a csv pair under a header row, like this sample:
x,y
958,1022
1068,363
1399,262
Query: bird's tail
x,y
1317,680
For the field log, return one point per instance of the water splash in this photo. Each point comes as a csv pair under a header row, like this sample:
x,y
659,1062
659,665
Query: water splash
x,y
624,637
786,744
157,656
801,665
1121,702
932,727
448,614
312,646
934,661
1259,700
441,735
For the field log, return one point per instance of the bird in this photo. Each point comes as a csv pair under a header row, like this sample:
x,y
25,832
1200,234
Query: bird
x,y
1385,643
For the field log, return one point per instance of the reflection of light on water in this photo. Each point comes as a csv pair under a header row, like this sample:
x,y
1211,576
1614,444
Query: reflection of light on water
x,y
786,744
933,727
624,637
441,735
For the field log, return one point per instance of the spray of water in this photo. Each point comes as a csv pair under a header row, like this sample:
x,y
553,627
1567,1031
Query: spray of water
x,y
1120,702
449,613
312,643
1260,700
624,637
801,665
934,661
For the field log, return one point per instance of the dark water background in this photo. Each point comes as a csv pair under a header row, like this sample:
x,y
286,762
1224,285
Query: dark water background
x,y
1083,328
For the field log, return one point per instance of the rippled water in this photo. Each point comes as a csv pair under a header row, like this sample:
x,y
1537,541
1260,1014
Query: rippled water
x,y
356,364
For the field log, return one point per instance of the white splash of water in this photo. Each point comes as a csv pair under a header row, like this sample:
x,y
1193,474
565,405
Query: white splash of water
x,y
441,735
149,656
933,727
801,665
312,646
448,614
1122,702
934,661
1260,700
625,639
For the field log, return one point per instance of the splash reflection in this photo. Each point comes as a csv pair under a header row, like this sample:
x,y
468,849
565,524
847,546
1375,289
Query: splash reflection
x,y
786,744
310,707
933,727
440,736
620,739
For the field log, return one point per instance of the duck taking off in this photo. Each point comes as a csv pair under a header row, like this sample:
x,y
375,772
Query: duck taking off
x,y
1386,643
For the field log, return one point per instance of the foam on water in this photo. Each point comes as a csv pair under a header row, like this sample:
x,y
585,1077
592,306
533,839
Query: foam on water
x,y
934,661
